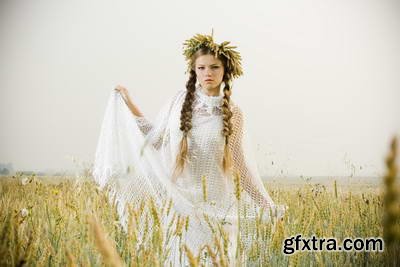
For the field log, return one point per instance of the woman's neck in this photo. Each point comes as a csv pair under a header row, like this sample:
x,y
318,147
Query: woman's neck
x,y
211,91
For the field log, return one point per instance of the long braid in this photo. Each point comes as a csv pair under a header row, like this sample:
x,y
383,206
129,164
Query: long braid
x,y
186,124
227,124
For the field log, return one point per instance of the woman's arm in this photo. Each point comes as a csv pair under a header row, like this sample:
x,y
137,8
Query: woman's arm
x,y
125,95
144,125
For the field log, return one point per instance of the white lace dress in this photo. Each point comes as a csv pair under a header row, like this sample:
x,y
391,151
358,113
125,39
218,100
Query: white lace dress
x,y
137,158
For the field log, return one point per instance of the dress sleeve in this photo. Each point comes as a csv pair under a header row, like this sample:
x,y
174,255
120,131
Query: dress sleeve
x,y
144,124
249,180
121,144
156,133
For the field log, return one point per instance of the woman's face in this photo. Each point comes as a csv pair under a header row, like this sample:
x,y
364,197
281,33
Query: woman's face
x,y
209,72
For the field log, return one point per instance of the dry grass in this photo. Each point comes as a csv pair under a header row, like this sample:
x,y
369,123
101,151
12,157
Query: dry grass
x,y
72,223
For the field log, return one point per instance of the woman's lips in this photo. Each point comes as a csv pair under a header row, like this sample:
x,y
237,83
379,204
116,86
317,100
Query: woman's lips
x,y
209,80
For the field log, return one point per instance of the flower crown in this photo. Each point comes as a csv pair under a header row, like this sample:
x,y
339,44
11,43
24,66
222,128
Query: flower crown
x,y
233,58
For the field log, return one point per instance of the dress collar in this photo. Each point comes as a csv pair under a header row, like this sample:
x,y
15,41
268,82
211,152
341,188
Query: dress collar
x,y
214,101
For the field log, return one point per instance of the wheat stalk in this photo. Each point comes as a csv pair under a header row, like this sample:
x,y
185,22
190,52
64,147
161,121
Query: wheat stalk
x,y
105,247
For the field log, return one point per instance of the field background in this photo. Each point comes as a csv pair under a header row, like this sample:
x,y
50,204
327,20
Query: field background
x,y
47,221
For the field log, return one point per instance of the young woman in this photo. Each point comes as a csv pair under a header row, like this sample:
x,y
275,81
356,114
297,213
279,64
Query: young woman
x,y
195,153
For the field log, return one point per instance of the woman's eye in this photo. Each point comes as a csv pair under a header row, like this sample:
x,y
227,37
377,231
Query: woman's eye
x,y
215,67
200,68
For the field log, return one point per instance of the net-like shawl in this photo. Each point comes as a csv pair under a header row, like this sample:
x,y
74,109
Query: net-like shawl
x,y
135,160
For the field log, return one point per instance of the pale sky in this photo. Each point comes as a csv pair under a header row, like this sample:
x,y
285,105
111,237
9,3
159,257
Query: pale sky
x,y
321,84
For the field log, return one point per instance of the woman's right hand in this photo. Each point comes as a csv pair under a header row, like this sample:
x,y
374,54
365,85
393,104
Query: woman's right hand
x,y
124,92
125,96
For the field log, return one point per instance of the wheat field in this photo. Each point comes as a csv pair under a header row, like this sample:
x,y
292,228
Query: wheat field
x,y
70,222
46,224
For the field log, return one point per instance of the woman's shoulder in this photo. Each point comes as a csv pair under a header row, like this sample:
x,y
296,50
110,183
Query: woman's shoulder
x,y
181,93
178,96
237,114
235,108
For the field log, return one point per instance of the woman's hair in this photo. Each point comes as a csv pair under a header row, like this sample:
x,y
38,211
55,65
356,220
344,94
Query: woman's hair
x,y
187,109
